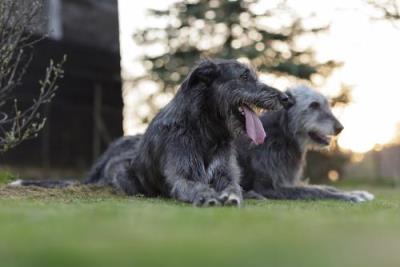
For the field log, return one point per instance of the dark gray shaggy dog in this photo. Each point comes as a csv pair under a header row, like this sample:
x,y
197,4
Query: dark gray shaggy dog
x,y
274,169
187,152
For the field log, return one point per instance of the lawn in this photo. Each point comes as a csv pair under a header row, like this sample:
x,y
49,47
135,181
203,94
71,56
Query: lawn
x,y
93,227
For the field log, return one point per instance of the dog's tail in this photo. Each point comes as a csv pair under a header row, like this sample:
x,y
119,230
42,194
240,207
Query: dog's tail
x,y
44,183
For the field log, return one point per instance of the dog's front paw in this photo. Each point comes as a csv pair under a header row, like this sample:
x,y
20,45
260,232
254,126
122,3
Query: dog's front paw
x,y
206,199
354,198
230,199
366,196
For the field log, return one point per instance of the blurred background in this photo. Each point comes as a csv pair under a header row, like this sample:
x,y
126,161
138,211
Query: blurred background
x,y
126,59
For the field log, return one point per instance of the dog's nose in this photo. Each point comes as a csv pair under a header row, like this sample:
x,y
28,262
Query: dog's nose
x,y
286,101
338,128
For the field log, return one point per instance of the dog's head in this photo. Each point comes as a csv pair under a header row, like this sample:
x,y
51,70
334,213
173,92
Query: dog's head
x,y
312,117
237,94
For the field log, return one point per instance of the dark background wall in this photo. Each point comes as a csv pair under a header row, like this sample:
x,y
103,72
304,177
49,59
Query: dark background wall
x,y
86,113
91,22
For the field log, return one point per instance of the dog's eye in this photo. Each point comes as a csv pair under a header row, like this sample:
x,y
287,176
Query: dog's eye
x,y
245,75
314,105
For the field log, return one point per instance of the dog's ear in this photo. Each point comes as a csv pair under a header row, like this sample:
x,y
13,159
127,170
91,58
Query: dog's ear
x,y
205,72
291,97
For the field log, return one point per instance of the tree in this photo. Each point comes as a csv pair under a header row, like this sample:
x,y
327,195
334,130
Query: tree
x,y
227,29
18,25
389,9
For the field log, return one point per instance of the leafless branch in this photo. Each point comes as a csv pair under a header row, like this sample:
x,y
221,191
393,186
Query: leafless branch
x,y
390,10
17,27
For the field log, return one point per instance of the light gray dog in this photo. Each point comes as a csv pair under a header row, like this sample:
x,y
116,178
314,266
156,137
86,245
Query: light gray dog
x,y
274,169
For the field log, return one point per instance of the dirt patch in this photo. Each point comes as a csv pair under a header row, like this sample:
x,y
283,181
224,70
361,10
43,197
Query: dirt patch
x,y
75,192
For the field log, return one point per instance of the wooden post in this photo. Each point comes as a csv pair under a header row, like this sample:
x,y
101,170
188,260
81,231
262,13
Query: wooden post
x,y
97,101
46,142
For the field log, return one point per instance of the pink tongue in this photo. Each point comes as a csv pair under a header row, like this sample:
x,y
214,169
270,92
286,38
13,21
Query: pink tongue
x,y
254,127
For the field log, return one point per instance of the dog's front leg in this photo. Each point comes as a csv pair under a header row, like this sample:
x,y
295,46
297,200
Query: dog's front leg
x,y
308,193
365,195
224,175
187,181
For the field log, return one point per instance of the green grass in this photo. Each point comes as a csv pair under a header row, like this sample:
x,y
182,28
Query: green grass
x,y
6,176
92,227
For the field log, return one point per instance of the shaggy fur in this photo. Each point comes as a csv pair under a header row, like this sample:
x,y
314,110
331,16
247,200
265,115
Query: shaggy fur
x,y
187,152
274,169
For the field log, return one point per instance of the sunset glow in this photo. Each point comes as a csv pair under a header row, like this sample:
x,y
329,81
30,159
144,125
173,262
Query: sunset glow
x,y
369,49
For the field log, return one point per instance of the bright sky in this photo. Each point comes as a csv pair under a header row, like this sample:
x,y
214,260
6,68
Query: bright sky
x,y
369,49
